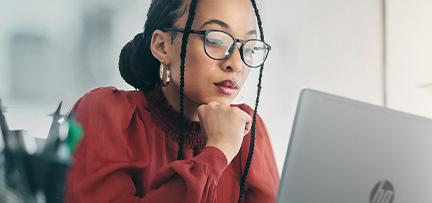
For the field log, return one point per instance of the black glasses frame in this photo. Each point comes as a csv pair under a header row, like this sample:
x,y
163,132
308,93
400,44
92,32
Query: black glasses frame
x,y
231,49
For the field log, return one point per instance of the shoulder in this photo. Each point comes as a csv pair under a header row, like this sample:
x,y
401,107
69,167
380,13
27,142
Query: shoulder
x,y
108,102
110,95
113,129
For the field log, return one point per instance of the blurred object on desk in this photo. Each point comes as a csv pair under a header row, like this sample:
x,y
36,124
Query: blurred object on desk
x,y
33,169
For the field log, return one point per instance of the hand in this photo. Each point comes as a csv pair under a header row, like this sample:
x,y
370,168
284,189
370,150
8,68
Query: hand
x,y
224,127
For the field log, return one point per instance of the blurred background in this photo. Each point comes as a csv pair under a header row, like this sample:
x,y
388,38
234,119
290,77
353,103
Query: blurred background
x,y
375,51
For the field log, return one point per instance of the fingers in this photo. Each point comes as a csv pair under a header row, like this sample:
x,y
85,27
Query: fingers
x,y
248,125
202,110
224,127
206,110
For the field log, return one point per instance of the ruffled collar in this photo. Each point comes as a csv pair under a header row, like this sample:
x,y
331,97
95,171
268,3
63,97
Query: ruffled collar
x,y
168,119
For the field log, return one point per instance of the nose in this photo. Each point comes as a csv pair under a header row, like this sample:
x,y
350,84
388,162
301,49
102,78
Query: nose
x,y
234,62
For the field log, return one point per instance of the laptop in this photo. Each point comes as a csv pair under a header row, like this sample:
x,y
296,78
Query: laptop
x,y
342,150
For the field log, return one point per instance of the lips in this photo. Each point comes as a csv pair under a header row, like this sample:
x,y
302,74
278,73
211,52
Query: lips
x,y
227,87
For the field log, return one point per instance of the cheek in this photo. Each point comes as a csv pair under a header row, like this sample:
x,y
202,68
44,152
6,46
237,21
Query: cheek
x,y
245,74
196,64
196,56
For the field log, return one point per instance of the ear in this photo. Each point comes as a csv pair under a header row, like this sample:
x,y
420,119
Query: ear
x,y
159,46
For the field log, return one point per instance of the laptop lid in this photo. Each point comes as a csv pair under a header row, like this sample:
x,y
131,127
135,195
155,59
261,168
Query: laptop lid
x,y
343,150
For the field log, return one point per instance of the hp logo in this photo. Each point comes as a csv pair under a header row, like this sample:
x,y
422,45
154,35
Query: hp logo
x,y
383,192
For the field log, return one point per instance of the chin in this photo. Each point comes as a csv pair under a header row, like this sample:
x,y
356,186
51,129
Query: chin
x,y
224,100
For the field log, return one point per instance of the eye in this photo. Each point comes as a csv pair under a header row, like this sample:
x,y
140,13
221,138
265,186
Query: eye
x,y
249,51
214,41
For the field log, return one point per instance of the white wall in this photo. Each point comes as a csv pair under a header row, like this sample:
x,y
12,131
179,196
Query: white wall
x,y
334,46
409,56
56,22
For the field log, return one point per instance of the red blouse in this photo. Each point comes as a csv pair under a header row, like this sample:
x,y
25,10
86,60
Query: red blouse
x,y
129,149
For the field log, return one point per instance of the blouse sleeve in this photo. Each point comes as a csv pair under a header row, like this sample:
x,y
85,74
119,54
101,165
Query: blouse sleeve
x,y
263,177
106,167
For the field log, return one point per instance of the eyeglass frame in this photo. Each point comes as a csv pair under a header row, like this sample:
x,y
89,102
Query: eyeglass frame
x,y
243,42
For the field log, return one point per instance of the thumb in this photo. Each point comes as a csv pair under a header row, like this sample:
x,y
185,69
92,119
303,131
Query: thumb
x,y
202,110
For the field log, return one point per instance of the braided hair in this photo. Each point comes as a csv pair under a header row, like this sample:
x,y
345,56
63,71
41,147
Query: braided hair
x,y
137,65
252,141
139,68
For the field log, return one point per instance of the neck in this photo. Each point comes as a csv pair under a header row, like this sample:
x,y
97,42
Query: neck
x,y
172,95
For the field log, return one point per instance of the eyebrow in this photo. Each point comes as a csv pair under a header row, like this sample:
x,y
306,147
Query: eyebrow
x,y
252,32
215,21
223,24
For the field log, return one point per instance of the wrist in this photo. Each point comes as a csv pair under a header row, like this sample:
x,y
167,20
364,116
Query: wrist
x,y
229,154
214,158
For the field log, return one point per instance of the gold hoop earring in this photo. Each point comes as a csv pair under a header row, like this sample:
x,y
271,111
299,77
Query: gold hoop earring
x,y
165,75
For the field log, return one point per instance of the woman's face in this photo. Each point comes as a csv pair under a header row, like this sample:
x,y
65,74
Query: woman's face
x,y
207,79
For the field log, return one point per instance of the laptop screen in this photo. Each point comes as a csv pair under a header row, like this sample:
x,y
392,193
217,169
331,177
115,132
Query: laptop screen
x,y
343,150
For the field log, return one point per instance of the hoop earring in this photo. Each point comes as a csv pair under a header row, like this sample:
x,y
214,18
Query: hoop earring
x,y
165,75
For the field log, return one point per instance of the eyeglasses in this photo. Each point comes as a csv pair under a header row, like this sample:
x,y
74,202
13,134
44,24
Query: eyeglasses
x,y
219,45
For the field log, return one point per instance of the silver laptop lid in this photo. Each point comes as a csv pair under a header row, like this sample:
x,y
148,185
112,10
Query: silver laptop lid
x,y
343,150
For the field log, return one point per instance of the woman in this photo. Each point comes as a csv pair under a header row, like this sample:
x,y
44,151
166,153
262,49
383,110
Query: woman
x,y
178,139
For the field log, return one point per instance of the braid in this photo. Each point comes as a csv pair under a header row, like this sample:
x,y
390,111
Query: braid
x,y
252,141
188,27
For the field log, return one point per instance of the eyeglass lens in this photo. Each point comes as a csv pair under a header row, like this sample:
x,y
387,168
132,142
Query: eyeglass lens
x,y
219,45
